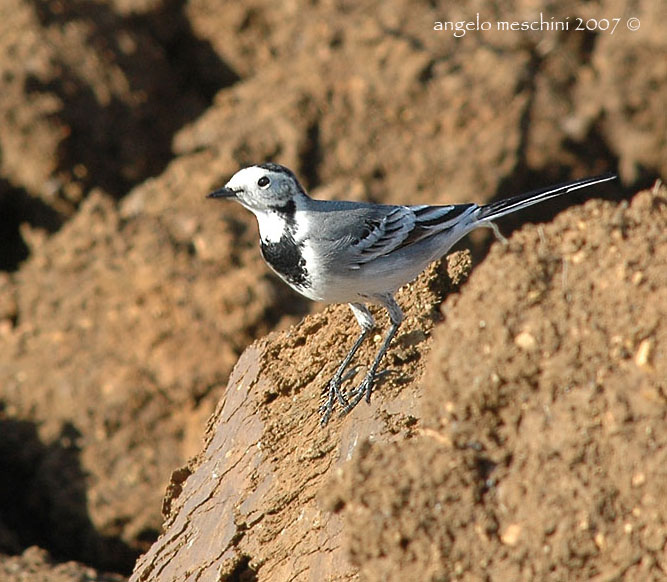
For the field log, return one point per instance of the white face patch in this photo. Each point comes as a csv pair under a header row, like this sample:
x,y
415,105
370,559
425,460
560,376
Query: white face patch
x,y
246,178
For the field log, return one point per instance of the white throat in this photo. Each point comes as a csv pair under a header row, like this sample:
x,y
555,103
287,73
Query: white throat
x,y
272,226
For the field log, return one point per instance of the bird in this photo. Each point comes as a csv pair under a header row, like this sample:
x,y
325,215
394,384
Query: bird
x,y
360,253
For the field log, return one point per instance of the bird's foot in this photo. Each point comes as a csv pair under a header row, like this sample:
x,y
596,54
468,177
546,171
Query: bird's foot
x,y
364,390
348,400
335,394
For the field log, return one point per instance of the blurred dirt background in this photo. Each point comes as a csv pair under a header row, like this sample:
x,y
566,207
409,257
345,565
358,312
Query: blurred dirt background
x,y
521,434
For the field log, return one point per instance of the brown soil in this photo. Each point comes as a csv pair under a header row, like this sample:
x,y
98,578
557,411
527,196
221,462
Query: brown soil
x,y
521,433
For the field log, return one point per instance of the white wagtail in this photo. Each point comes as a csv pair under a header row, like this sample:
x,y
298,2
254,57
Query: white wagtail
x,y
359,253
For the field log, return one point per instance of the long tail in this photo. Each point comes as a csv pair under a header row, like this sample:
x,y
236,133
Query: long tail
x,y
509,205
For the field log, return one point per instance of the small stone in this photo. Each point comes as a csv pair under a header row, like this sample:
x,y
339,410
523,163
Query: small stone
x,y
638,479
643,354
526,341
510,536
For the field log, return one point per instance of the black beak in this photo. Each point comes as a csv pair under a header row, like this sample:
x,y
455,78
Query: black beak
x,y
222,193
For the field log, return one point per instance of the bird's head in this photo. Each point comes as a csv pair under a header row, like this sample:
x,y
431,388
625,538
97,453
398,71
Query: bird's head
x,y
263,188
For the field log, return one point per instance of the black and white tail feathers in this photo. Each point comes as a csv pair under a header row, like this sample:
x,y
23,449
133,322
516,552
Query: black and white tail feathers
x,y
500,208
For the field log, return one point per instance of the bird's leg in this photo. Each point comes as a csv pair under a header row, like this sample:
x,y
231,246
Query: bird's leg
x,y
366,386
366,323
334,386
365,389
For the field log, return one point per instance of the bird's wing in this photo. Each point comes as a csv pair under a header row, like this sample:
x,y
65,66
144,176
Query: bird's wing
x,y
376,231
380,234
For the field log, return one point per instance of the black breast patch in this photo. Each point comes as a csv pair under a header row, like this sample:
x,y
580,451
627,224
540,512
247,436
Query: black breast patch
x,y
285,257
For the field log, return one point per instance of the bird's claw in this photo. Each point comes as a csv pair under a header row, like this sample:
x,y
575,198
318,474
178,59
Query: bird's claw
x,y
336,393
364,390
348,401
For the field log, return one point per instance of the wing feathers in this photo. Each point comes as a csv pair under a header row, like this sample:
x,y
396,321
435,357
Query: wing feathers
x,y
403,226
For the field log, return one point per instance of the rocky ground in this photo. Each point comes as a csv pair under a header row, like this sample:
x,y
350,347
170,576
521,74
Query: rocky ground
x,y
520,434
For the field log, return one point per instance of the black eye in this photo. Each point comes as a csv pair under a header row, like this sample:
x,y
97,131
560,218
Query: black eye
x,y
263,182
